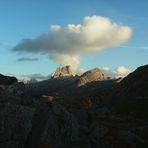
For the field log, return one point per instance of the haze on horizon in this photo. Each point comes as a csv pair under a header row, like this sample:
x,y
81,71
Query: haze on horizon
x,y
37,37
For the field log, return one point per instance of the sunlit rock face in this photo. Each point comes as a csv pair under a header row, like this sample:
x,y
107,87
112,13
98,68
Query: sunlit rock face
x,y
7,80
62,72
90,76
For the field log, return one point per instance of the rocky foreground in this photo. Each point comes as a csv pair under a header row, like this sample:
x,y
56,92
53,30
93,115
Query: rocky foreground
x,y
69,111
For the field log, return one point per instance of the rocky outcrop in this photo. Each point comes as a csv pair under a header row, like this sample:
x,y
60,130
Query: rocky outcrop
x,y
15,125
63,127
7,80
62,72
67,128
90,76
130,97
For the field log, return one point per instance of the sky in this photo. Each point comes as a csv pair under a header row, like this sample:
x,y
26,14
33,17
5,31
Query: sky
x,y
37,36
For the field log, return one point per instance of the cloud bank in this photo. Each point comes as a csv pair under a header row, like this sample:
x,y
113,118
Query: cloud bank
x,y
65,44
120,71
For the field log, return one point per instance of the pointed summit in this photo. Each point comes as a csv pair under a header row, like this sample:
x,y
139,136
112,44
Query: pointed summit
x,y
62,72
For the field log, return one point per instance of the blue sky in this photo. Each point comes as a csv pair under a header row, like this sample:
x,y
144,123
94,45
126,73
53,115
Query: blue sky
x,y
21,19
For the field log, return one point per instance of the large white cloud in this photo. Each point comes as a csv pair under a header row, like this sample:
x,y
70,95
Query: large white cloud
x,y
66,44
93,35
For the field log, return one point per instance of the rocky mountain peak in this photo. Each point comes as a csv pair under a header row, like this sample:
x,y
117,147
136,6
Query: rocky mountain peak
x,y
91,75
62,72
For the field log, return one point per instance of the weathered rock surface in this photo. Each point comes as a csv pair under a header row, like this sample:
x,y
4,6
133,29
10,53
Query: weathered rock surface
x,y
90,76
67,128
15,125
62,72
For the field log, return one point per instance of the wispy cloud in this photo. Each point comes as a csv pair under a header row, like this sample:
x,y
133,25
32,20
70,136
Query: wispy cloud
x,y
27,59
36,76
136,47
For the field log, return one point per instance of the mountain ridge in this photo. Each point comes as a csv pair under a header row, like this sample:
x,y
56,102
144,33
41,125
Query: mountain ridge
x,y
59,113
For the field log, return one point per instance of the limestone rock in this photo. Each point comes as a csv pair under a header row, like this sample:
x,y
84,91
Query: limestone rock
x,y
90,76
62,72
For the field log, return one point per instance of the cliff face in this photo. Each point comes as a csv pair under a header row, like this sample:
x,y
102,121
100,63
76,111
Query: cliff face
x,y
90,76
62,72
